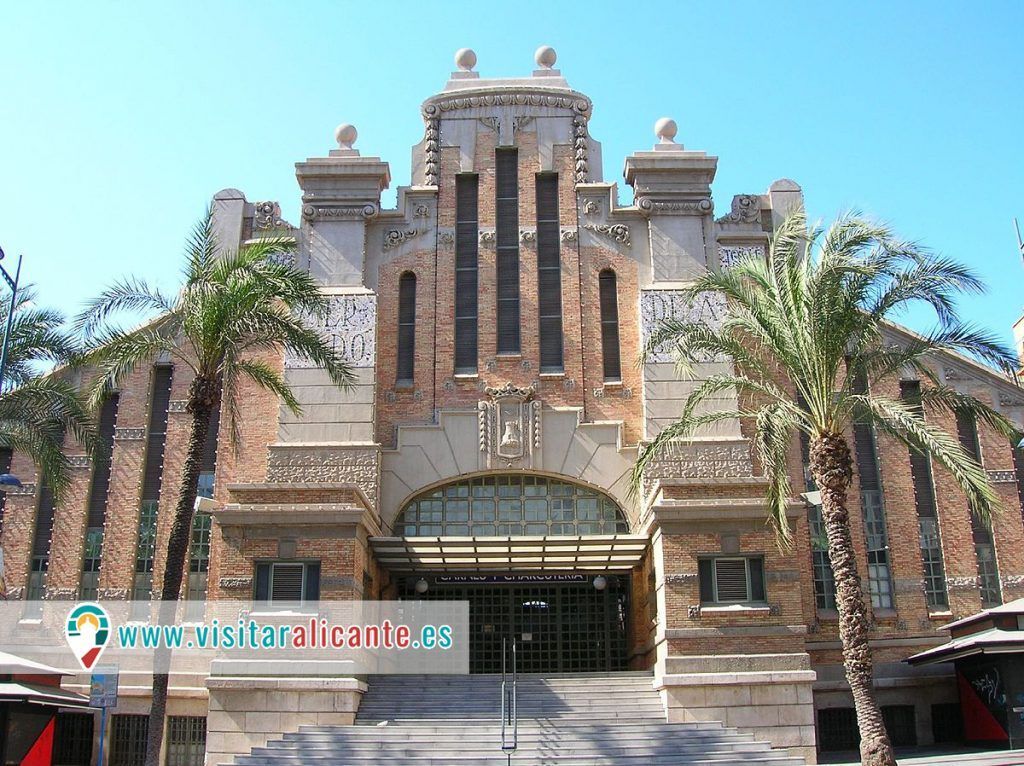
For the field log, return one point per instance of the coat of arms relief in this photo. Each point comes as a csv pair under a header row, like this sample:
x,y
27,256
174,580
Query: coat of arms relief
x,y
509,422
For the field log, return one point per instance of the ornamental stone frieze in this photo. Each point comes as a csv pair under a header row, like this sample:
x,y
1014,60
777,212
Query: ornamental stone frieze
x,y
648,206
398,237
349,327
316,465
351,212
730,255
509,426
1001,477
746,208
657,306
616,232
129,434
79,461
702,460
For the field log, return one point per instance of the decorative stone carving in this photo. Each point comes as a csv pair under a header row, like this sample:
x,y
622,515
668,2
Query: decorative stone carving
x,y
177,405
54,593
701,460
398,237
349,328
79,461
112,594
1001,477
580,149
618,232
527,236
294,465
446,240
488,237
658,305
684,578
235,583
129,434
28,488
509,424
431,152
511,97
422,211
730,255
954,373
1013,581
310,212
267,216
693,611
695,207
569,235
590,207
1007,400
521,121
746,208
493,123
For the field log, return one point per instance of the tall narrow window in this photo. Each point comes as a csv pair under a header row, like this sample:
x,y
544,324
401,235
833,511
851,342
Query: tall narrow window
x,y
821,567
876,536
927,516
152,478
406,329
6,456
466,251
40,551
1018,472
199,551
549,273
610,326
506,215
96,517
984,546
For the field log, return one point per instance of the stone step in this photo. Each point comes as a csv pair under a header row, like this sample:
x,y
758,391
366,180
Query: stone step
x,y
498,759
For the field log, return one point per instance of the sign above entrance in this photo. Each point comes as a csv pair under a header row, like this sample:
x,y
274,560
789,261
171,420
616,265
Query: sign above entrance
x,y
512,578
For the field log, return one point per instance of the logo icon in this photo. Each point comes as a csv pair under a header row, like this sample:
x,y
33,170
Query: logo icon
x,y
87,632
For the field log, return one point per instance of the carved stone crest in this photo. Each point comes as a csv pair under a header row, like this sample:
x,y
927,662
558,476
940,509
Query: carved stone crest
x,y
267,215
509,422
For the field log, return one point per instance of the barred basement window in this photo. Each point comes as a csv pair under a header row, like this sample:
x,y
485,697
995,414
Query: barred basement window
x,y
984,545
72,739
901,724
506,214
837,729
96,518
731,580
186,740
947,722
549,273
405,368
287,582
466,255
128,740
873,510
610,326
927,516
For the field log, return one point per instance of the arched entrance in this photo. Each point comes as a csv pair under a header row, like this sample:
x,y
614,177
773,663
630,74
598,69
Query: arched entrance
x,y
541,559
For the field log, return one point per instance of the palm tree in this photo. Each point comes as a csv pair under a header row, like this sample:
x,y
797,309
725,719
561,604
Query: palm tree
x,y
232,306
809,331
37,410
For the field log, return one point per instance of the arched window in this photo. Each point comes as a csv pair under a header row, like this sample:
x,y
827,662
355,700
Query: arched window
x,y
610,326
513,504
406,328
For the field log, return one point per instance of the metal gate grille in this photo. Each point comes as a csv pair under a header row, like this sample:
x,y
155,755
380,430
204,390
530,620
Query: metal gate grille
x,y
559,627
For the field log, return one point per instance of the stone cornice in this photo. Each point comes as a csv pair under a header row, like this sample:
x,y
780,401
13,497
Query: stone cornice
x,y
489,96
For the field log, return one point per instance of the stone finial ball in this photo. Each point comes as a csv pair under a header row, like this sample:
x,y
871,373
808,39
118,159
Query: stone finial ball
x,y
665,129
545,57
345,134
465,59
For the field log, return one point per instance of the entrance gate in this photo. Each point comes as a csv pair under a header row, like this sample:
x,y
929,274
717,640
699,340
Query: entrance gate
x,y
562,624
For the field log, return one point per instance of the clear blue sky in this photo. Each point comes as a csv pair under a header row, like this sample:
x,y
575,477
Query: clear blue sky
x,y
119,121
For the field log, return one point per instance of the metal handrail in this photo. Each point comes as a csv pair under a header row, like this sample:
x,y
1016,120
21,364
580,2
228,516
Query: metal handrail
x,y
509,703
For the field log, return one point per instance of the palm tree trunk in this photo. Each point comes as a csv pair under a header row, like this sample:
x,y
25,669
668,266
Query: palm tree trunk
x,y
832,468
203,397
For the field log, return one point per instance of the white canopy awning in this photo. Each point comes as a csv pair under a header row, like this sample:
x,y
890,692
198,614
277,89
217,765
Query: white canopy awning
x,y
592,553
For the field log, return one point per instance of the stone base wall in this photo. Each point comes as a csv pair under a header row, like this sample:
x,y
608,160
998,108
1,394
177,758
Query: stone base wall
x,y
767,695
249,712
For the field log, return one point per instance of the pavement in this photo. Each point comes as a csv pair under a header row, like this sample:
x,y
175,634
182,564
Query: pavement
x,y
945,757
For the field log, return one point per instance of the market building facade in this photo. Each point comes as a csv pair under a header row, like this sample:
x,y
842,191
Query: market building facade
x,y
494,319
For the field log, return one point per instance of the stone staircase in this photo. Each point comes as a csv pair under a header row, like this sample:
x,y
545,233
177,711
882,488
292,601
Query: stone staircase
x,y
576,720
